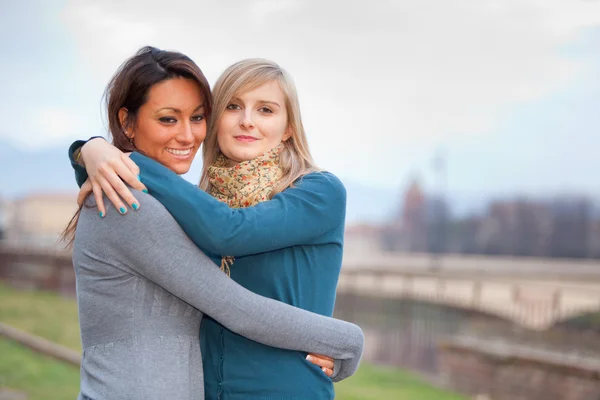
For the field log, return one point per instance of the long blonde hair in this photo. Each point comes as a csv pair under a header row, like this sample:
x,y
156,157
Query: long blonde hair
x,y
295,158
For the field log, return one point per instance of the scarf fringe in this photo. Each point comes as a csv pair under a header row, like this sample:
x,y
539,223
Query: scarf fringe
x,y
226,263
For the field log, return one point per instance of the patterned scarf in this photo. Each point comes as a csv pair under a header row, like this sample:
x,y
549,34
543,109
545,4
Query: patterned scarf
x,y
244,185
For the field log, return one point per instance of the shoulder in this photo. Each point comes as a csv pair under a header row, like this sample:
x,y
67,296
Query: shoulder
x,y
125,236
150,213
322,182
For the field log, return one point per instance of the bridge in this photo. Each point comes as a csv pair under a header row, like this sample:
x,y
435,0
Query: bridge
x,y
534,293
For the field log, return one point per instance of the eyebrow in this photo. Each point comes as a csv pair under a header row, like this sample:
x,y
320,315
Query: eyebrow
x,y
270,102
177,110
259,101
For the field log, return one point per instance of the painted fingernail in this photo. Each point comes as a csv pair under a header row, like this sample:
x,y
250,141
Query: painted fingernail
x,y
135,206
139,179
323,369
123,210
308,358
145,190
101,214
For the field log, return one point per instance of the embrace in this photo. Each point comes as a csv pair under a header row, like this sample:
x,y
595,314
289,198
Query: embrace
x,y
223,290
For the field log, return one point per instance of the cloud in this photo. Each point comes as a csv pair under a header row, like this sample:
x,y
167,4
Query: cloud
x,y
380,85
45,126
56,123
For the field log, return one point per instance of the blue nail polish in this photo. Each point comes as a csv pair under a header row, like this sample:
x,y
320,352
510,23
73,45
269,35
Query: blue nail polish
x,y
135,206
101,214
145,190
123,210
139,179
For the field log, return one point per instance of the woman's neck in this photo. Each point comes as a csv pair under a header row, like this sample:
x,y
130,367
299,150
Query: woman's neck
x,y
232,163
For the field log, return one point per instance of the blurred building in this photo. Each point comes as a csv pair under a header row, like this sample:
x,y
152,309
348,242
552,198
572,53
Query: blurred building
x,y
572,223
38,219
594,240
566,227
407,232
362,240
3,217
516,227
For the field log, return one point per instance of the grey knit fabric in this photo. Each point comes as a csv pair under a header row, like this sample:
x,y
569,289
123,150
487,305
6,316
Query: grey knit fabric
x,y
142,286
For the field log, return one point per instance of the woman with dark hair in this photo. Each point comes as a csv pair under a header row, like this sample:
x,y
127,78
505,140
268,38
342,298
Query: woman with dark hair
x,y
143,285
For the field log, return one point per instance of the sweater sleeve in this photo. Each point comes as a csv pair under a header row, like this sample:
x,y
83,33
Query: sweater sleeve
x,y
152,244
305,214
81,174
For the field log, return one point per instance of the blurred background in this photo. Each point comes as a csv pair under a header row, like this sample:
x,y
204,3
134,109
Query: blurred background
x,y
465,132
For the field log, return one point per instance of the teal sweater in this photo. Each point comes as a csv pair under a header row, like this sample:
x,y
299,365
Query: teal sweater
x,y
288,249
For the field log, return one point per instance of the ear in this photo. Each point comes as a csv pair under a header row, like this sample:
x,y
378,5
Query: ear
x,y
287,134
123,113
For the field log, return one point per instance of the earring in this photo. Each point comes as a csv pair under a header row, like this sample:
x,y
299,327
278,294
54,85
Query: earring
x,y
129,136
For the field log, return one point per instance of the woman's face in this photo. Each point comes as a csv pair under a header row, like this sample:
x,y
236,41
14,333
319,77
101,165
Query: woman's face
x,y
171,125
253,123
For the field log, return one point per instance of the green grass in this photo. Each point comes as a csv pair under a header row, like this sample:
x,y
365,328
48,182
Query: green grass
x,y
371,383
39,377
588,321
55,318
42,313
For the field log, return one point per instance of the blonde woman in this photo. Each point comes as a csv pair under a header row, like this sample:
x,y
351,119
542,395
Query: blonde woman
x,y
264,211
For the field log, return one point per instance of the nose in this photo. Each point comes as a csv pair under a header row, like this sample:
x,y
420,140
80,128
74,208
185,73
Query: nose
x,y
246,121
185,134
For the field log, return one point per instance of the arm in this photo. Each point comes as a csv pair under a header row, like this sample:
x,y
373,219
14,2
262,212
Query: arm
x,y
152,244
314,207
81,174
101,167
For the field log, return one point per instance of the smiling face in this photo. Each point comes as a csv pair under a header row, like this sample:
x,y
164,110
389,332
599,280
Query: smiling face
x,y
171,125
253,123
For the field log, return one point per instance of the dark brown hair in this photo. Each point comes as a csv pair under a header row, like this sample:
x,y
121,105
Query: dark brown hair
x,y
129,88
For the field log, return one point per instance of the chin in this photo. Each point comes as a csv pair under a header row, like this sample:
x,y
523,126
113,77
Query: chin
x,y
246,155
179,169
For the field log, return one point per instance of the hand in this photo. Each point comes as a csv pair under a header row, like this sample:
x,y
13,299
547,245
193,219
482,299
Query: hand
x,y
326,363
108,168
85,190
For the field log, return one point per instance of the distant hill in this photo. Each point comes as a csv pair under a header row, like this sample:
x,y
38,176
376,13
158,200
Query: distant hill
x,y
24,171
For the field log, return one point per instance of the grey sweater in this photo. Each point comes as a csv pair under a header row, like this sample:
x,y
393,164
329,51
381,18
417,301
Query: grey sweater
x,y
142,286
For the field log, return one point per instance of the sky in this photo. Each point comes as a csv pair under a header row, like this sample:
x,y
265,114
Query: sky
x,y
506,91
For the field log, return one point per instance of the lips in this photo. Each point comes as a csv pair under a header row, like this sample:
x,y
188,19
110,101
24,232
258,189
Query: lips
x,y
244,138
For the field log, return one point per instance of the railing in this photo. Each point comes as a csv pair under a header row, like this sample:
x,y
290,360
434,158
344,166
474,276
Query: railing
x,y
39,268
532,304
